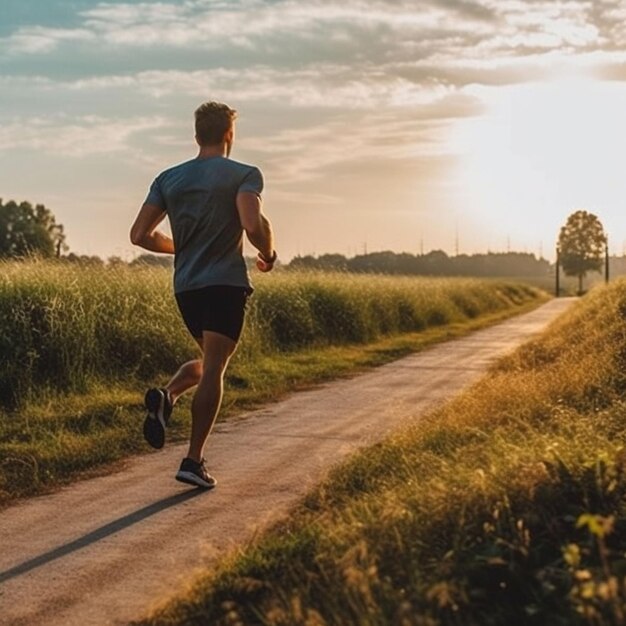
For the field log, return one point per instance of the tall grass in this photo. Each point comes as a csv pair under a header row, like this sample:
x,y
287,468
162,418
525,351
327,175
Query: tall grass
x,y
507,506
64,328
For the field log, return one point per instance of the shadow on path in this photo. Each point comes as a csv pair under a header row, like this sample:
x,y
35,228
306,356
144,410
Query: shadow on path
x,y
100,533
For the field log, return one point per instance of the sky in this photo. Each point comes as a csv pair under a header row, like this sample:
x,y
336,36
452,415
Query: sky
x,y
461,125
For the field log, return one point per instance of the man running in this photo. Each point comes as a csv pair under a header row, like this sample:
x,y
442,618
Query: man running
x,y
210,201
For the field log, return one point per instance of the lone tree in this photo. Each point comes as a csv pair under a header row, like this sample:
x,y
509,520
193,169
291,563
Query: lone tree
x,y
582,243
26,230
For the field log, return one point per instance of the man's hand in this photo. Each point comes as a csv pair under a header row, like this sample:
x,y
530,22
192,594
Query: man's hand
x,y
265,265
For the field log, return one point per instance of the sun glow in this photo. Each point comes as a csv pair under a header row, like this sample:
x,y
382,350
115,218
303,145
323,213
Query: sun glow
x,y
541,151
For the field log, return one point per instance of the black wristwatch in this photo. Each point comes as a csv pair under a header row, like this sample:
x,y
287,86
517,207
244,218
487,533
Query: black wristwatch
x,y
271,260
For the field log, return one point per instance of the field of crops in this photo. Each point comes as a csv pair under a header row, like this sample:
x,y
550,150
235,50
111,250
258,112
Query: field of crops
x,y
80,344
507,506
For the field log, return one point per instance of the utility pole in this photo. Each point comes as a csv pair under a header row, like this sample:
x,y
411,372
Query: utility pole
x,y
558,264
606,261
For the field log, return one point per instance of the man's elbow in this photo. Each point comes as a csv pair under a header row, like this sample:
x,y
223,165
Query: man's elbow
x,y
137,237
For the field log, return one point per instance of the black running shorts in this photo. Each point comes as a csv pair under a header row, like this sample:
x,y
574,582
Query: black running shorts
x,y
220,309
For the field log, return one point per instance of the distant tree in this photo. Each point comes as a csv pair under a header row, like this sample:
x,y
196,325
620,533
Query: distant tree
x,y
437,262
84,259
25,230
115,261
153,260
307,262
334,262
384,262
582,243
434,263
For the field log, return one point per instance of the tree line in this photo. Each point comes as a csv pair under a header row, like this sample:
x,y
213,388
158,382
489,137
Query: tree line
x,y
434,263
27,230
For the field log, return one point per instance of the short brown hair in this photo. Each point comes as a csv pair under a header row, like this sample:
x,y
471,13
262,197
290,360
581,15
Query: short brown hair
x,y
213,121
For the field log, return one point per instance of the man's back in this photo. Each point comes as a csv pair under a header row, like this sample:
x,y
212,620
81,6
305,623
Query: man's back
x,y
199,197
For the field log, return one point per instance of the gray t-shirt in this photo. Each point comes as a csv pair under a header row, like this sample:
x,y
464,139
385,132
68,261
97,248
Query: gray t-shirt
x,y
199,199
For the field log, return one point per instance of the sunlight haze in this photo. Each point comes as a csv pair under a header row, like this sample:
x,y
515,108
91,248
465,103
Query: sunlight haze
x,y
378,125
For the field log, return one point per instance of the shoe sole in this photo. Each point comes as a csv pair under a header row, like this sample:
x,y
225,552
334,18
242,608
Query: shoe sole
x,y
190,478
154,424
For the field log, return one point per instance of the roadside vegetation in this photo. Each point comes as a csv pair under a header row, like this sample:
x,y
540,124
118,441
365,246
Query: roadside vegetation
x,y
79,345
507,506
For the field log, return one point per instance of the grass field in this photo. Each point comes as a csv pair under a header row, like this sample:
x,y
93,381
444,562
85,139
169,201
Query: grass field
x,y
80,344
507,506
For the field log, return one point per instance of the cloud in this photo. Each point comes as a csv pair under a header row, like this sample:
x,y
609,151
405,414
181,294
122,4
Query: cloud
x,y
261,26
325,86
76,138
41,40
328,51
385,117
445,42
294,155
211,25
610,18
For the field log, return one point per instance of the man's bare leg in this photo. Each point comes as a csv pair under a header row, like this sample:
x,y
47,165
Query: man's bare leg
x,y
217,350
187,376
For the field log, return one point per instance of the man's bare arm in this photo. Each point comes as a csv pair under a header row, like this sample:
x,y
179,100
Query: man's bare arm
x,y
257,226
144,231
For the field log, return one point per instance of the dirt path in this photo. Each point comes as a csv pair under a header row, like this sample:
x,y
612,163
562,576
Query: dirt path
x,y
105,550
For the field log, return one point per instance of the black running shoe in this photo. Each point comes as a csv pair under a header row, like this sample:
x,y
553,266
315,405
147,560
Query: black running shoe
x,y
159,408
194,473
